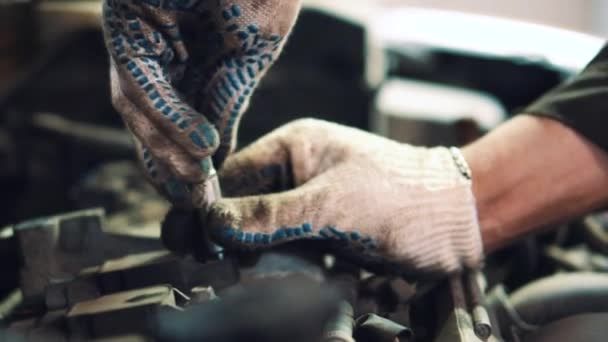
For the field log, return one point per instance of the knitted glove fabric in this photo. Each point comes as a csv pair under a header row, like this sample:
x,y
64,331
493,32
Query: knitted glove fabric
x,y
182,72
372,197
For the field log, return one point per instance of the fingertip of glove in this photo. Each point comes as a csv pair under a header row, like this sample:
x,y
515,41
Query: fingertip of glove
x,y
204,139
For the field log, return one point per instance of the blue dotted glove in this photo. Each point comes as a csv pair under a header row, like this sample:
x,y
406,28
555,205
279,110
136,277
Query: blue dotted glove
x,y
182,72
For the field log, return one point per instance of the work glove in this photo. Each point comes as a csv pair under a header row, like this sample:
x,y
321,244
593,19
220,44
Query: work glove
x,y
376,199
182,73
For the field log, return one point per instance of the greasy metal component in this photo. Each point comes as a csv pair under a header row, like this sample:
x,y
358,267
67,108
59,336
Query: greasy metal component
x,y
137,271
579,328
371,327
56,248
378,294
481,320
10,303
458,325
595,227
129,312
403,292
211,193
455,315
201,294
506,316
401,289
577,258
340,327
294,310
548,299
182,228
279,265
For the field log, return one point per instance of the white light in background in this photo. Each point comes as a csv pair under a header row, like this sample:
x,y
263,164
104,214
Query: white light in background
x,y
485,35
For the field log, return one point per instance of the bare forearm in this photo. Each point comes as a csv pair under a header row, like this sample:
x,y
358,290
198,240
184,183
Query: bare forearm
x,y
531,172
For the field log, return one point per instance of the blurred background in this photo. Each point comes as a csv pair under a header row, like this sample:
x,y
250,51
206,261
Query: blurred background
x,y
442,73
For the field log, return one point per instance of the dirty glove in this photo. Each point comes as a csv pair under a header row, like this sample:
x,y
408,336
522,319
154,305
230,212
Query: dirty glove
x,y
373,197
182,73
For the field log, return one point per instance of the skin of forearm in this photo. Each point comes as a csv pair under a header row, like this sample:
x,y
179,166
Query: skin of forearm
x,y
531,172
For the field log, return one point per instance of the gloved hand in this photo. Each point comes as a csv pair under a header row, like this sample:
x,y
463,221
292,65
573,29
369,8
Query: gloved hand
x,y
376,198
182,72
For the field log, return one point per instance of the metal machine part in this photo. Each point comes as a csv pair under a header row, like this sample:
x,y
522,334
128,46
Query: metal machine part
x,y
595,229
580,328
183,230
340,328
549,299
212,192
374,307
283,310
466,320
384,307
125,313
137,271
481,320
55,249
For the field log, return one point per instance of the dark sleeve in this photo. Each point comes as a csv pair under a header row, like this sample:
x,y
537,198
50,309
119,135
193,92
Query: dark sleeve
x,y
581,102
